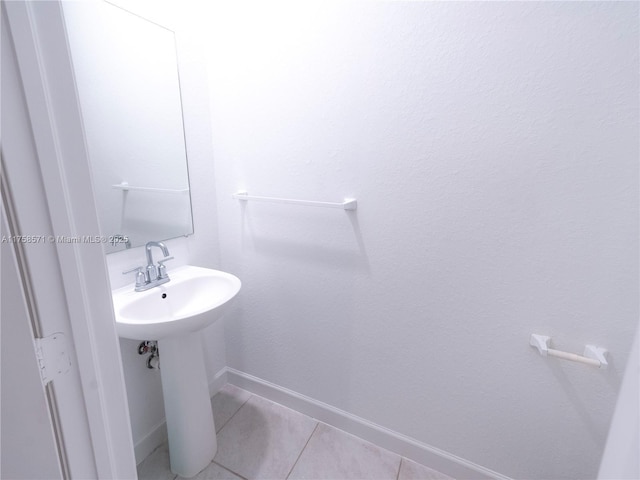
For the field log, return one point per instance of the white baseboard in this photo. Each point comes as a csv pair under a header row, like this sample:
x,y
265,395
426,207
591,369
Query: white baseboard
x,y
218,381
408,447
150,442
158,435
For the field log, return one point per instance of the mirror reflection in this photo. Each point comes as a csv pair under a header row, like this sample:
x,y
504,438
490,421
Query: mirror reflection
x,y
128,86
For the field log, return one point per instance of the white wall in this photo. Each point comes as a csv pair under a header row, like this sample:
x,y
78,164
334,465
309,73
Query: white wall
x,y
144,389
493,151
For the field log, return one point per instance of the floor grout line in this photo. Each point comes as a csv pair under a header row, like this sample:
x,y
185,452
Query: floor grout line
x,y
224,425
234,413
303,449
229,470
399,468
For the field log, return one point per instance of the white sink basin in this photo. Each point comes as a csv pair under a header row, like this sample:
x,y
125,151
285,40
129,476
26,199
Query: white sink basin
x,y
193,299
173,313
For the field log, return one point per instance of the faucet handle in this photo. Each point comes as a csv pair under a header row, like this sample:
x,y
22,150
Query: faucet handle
x,y
136,269
165,259
162,269
140,278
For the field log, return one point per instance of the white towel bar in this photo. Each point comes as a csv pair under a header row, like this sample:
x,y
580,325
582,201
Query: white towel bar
x,y
347,204
595,356
125,186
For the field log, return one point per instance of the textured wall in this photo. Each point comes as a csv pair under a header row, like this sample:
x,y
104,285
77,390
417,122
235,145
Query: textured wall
x,y
493,150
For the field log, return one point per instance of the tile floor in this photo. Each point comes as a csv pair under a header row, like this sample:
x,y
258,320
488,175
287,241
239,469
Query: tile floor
x,y
259,439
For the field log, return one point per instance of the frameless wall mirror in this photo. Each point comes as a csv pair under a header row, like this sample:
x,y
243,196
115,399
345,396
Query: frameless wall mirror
x,y
128,87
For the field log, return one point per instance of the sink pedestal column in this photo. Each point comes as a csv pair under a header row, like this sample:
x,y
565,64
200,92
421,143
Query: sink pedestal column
x,y
187,406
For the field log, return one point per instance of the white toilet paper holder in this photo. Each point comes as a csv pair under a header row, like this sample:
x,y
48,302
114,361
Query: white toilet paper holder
x,y
595,356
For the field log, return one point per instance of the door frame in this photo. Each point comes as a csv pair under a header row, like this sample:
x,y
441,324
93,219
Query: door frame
x,y
44,62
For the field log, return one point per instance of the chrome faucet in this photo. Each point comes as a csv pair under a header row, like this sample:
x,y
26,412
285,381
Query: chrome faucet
x,y
152,270
152,275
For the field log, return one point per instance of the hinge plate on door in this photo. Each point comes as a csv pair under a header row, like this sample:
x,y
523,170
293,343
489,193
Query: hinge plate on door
x,y
53,359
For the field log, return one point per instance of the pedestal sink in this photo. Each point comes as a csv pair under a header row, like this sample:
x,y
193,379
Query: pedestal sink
x,y
173,314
